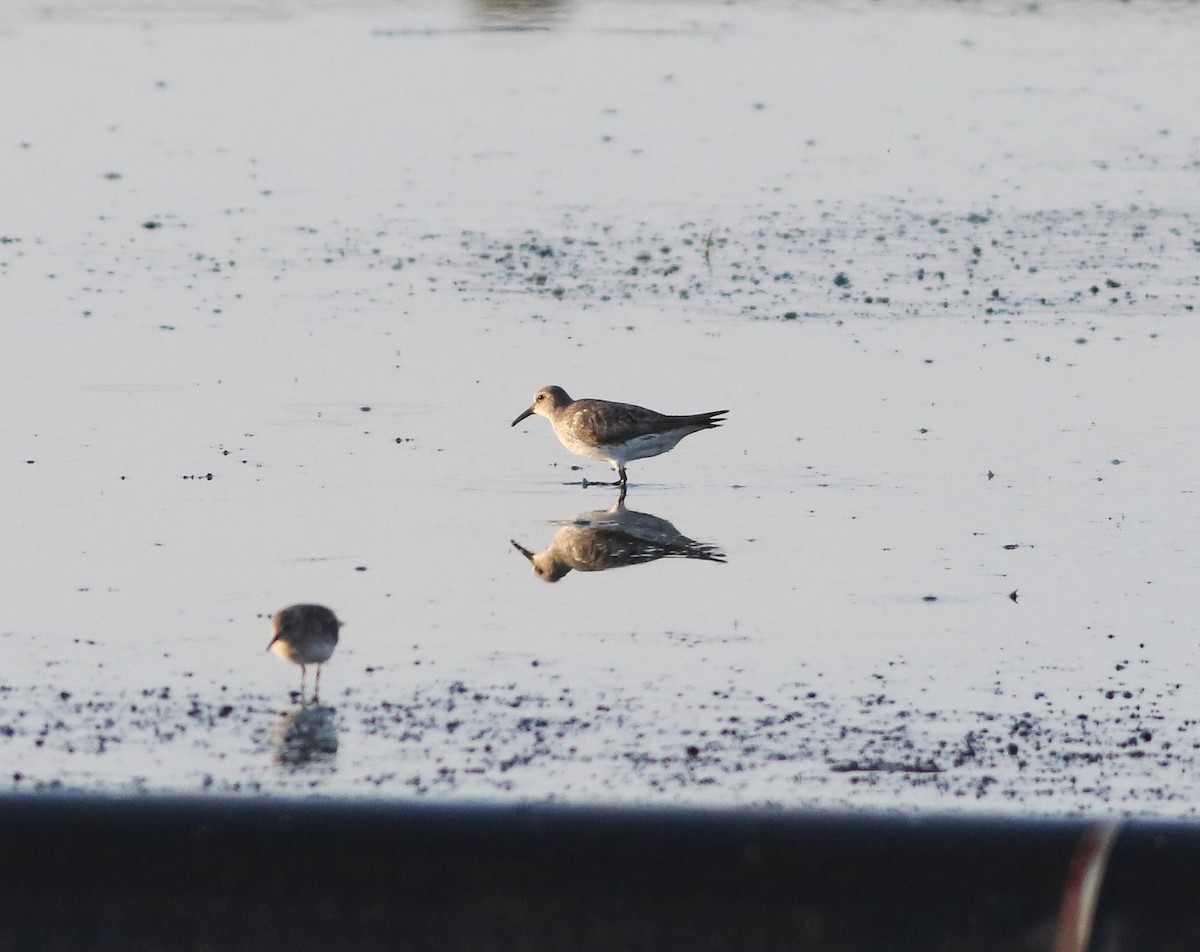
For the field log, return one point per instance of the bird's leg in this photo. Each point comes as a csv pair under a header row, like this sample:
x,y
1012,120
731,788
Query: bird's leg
x,y
303,675
624,478
317,686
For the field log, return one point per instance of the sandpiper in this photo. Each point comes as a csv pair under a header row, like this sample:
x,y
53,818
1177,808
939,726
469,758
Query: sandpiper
x,y
304,635
614,432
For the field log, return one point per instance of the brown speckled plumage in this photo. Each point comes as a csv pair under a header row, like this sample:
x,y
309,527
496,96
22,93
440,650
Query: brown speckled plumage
x,y
615,432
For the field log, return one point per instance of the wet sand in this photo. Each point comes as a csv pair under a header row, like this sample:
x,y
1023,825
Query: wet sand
x,y
277,281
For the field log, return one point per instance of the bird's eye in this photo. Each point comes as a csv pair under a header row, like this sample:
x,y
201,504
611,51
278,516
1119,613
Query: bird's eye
x,y
541,396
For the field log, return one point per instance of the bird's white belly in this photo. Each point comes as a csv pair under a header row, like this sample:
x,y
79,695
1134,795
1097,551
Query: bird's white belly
x,y
652,444
584,448
314,651
640,447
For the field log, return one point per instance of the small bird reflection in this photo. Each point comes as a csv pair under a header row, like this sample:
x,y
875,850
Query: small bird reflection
x,y
306,736
518,14
610,538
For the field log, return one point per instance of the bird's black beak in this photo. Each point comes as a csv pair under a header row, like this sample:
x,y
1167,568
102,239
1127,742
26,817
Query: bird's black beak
x,y
527,413
520,548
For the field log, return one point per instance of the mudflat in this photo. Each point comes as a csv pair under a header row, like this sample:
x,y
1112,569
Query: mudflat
x,y
277,280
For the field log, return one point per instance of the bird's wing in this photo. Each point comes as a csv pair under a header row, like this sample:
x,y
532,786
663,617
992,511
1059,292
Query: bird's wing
x,y
598,421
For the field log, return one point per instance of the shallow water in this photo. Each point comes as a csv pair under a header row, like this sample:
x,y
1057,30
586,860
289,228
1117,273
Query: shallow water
x,y
938,262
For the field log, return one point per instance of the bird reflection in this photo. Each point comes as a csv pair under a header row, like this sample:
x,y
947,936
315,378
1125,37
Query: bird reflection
x,y
518,14
610,538
305,736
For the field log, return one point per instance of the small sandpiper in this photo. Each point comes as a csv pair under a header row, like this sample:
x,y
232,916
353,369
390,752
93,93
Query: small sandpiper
x,y
304,635
614,432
